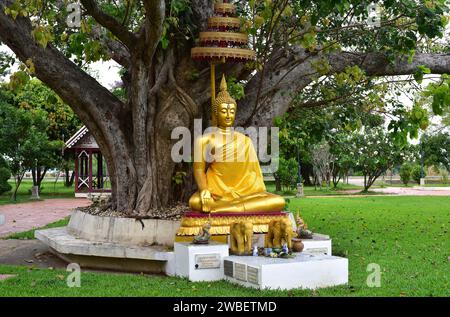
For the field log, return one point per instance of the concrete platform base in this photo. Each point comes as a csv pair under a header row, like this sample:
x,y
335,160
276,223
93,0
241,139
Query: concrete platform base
x,y
308,271
319,244
123,230
200,262
108,255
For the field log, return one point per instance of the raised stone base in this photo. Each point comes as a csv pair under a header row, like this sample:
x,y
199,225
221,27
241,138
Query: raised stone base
x,y
308,271
123,230
108,255
115,264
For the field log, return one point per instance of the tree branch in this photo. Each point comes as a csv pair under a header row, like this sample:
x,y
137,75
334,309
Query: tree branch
x,y
115,49
153,26
107,21
291,70
376,64
92,102
202,10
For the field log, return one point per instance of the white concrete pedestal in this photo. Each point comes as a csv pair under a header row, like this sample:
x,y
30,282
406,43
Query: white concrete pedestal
x,y
309,271
422,181
319,244
200,262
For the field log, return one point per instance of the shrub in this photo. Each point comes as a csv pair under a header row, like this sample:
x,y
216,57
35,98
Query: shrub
x,y
416,173
287,173
5,174
405,173
444,174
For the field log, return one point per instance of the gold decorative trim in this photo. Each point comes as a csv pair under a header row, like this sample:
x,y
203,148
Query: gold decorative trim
x,y
224,8
219,230
219,52
191,226
223,36
224,21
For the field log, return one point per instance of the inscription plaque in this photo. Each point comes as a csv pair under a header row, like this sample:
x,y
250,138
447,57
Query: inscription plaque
x,y
207,261
228,268
240,271
317,250
253,275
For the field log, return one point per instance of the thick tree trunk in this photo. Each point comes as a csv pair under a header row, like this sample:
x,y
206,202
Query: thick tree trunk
x,y
159,102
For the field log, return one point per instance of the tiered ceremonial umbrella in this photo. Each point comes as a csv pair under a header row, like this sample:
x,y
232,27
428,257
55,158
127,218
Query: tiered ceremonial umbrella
x,y
222,41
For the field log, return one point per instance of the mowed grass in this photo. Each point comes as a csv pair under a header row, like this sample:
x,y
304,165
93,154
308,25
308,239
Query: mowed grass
x,y
27,235
49,189
406,236
341,189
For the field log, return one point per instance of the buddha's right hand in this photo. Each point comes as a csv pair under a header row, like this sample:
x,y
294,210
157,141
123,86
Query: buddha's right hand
x,y
205,196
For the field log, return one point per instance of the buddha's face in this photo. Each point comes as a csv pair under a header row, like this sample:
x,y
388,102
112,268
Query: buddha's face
x,y
226,113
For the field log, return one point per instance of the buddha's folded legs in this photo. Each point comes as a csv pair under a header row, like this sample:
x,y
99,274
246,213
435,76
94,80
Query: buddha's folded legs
x,y
258,202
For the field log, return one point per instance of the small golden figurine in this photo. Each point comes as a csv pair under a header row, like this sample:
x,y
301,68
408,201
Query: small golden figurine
x,y
204,235
302,229
241,234
280,232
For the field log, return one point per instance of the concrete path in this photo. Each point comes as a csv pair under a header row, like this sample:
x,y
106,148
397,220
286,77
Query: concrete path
x,y
388,191
26,216
414,191
28,253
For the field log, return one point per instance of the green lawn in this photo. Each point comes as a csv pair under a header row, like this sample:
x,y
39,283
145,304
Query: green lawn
x,y
48,190
25,235
341,189
407,236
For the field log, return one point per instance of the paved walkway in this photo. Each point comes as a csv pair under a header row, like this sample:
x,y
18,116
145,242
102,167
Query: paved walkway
x,y
388,191
414,191
26,216
29,253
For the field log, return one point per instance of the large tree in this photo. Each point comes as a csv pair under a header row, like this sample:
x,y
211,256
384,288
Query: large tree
x,y
297,42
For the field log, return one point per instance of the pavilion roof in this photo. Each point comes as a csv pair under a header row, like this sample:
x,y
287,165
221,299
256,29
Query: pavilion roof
x,y
76,137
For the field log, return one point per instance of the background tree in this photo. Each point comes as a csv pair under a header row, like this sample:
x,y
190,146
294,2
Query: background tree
x,y
436,149
61,121
5,174
302,128
286,176
417,173
340,147
322,160
405,173
23,141
375,152
297,43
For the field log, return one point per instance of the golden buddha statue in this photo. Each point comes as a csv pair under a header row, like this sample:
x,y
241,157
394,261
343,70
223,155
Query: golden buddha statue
x,y
231,179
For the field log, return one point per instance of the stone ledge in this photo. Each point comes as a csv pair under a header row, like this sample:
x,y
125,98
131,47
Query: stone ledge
x,y
63,242
118,230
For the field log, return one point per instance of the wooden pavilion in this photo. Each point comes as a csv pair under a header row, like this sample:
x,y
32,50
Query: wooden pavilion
x,y
91,174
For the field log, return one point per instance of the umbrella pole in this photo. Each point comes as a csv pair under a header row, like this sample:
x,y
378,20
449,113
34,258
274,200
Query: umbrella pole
x,y
213,82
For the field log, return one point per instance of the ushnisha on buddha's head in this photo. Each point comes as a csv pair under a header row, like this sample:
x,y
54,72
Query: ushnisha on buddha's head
x,y
224,107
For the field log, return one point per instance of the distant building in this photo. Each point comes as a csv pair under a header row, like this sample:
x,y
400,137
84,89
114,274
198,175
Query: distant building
x,y
91,173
